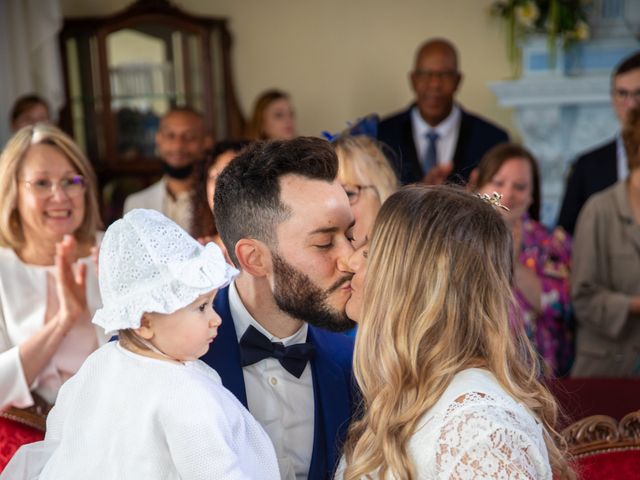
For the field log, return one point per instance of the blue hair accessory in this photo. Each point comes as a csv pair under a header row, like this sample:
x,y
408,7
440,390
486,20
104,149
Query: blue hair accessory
x,y
367,125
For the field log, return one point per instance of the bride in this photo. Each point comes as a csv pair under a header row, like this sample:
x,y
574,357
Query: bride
x,y
449,389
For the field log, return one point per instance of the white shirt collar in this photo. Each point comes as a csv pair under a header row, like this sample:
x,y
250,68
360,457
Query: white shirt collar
x,y
448,131
242,319
443,129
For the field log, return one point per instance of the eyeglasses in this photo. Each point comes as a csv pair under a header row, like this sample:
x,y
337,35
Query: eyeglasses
x,y
44,187
353,192
623,95
445,75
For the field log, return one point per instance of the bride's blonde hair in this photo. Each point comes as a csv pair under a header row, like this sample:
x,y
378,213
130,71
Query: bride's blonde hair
x,y
437,299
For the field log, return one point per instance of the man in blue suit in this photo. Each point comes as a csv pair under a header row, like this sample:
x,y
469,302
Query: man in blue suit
x,y
287,224
435,139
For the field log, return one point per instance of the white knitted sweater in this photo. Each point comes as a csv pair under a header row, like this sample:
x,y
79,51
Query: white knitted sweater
x,y
125,416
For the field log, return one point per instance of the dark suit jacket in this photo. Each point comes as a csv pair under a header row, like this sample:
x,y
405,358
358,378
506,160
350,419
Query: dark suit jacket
x,y
592,172
476,136
333,384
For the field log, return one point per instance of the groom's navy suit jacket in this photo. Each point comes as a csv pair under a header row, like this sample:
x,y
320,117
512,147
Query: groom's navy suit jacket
x,y
333,384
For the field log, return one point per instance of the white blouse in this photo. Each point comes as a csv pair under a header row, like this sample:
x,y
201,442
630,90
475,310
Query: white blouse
x,y
125,416
23,303
476,430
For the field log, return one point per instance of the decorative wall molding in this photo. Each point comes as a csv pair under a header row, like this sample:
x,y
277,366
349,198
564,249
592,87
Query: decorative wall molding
x,y
552,90
563,108
558,117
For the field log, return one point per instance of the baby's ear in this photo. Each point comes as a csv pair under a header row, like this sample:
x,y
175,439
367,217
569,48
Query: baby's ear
x,y
145,330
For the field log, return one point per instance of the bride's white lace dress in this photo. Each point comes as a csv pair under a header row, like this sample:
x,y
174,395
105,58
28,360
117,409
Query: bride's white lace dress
x,y
475,431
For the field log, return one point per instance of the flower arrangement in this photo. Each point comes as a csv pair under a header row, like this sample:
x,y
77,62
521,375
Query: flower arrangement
x,y
558,19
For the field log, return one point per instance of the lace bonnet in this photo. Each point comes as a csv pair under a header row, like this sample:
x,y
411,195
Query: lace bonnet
x,y
150,264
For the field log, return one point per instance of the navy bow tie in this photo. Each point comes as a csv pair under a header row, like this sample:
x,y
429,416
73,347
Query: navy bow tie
x,y
254,346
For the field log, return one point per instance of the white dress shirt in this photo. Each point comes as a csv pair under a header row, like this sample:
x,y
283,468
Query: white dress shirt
x,y
24,293
447,130
283,404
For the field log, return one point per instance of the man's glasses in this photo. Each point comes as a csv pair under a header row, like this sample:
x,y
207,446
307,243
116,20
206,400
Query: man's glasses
x,y
623,95
445,75
353,192
44,187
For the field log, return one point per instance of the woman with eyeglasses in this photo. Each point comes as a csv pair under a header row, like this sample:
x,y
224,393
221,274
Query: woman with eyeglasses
x,y
367,178
48,281
605,281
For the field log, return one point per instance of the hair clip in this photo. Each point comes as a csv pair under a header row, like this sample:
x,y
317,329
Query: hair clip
x,y
493,199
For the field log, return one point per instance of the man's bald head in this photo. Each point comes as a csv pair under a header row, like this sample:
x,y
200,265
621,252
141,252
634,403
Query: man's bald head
x,y
435,79
437,46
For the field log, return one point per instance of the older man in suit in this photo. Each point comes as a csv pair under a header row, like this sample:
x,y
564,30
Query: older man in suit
x,y
603,166
287,224
435,138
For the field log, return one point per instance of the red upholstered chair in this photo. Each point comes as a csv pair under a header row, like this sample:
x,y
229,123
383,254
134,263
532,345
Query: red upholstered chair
x,y
583,397
14,434
604,448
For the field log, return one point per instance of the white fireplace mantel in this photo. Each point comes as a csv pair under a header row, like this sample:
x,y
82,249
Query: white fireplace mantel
x,y
562,105
558,117
553,90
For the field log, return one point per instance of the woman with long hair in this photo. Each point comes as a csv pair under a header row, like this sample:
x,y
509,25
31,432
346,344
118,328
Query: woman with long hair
x,y
49,222
448,390
541,257
273,117
203,224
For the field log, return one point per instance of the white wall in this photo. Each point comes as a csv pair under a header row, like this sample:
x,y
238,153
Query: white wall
x,y
340,59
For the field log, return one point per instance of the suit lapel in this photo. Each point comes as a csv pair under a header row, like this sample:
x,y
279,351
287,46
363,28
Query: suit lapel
x,y
332,410
462,142
224,354
610,168
410,164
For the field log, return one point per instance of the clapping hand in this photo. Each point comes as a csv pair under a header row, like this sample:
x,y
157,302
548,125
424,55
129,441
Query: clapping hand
x,y
70,284
438,174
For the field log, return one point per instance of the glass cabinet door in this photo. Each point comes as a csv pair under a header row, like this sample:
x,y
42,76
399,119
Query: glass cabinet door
x,y
122,73
125,71
151,70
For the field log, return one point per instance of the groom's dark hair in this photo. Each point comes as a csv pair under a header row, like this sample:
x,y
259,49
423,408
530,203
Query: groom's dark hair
x,y
247,198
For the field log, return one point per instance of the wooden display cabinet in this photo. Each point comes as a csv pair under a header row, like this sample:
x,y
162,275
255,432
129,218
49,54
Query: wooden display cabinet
x,y
124,71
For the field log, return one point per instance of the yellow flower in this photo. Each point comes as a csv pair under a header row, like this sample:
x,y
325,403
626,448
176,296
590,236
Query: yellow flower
x,y
527,14
581,31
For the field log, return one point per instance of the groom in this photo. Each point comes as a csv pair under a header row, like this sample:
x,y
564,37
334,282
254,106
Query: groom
x,y
287,224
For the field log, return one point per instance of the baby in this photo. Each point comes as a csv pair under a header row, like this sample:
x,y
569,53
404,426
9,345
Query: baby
x,y
145,407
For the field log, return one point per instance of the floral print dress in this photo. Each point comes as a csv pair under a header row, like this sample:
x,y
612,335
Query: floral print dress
x,y
548,254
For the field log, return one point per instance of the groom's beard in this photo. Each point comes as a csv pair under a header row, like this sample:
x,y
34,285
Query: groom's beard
x,y
296,294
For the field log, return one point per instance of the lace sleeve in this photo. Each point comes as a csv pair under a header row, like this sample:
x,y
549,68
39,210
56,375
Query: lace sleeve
x,y
480,439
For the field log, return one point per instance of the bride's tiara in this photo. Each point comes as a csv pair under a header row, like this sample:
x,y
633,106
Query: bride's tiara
x,y
493,199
